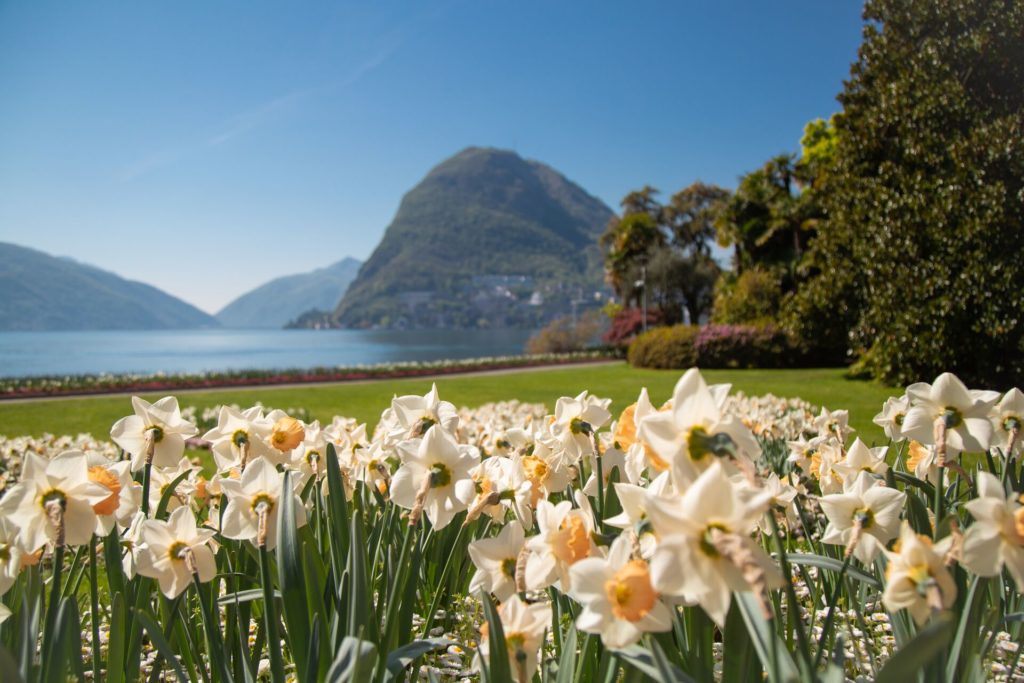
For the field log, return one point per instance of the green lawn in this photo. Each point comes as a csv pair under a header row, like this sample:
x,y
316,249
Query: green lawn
x,y
365,402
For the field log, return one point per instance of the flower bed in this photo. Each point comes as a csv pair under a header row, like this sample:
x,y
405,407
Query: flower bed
x,y
707,537
83,385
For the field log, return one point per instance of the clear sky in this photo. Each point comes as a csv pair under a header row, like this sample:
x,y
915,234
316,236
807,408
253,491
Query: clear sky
x,y
207,147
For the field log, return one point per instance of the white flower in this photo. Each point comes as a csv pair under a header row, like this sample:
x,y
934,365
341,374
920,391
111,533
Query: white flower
x,y
414,415
161,480
125,495
167,428
574,423
166,550
833,424
618,599
495,560
251,512
10,554
1008,422
865,517
860,458
430,469
524,626
997,536
241,437
50,489
703,538
894,411
635,502
916,576
963,414
695,433
564,539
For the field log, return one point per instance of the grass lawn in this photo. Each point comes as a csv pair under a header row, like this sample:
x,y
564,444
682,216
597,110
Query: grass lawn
x,y
621,383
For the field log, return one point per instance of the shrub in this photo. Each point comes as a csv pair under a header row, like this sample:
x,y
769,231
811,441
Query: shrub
x,y
752,298
664,348
628,323
742,346
562,335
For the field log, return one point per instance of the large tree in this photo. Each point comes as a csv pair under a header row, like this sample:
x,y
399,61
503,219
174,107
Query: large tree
x,y
918,265
669,243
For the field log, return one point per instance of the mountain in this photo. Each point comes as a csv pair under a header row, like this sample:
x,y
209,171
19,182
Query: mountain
x,y
487,238
43,292
286,298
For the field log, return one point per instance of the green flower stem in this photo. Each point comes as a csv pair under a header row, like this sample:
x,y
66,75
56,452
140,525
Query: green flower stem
x,y
213,636
270,618
146,472
830,616
436,600
794,604
600,482
94,618
940,499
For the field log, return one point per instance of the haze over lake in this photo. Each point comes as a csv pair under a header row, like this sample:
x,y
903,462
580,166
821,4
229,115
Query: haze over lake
x,y
149,351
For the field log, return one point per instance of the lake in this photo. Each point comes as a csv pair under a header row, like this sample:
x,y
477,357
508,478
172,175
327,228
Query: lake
x,y
193,351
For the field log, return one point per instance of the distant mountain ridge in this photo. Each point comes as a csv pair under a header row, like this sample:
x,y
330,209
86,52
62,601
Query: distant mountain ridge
x,y
43,292
487,238
284,299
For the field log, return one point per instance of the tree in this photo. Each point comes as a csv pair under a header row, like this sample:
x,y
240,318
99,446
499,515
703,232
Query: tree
x,y
671,244
917,266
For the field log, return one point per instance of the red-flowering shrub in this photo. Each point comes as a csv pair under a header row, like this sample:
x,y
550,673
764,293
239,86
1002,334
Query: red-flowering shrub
x,y
627,324
743,346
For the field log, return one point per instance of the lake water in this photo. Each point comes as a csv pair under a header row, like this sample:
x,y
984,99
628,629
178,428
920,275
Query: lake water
x,y
149,351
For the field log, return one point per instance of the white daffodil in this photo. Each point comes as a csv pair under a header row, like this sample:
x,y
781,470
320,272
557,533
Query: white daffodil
x,y
802,451
1008,422
414,415
564,539
945,414
704,550
618,599
916,578
308,457
633,518
495,559
493,489
158,427
162,479
922,462
241,437
823,466
286,433
431,467
54,501
524,626
545,471
833,424
10,554
997,536
695,433
125,494
860,458
131,545
251,512
174,551
864,517
780,499
894,412
370,466
574,424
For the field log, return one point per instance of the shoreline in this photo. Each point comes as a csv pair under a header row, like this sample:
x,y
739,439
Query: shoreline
x,y
300,380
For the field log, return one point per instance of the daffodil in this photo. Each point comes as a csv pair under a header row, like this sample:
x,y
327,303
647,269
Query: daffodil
x,y
860,458
564,539
241,437
251,511
10,554
156,431
833,424
174,551
634,518
704,550
1008,422
496,560
949,416
694,433
125,495
524,626
996,539
415,415
431,467
916,578
54,501
619,602
575,422
864,517
894,412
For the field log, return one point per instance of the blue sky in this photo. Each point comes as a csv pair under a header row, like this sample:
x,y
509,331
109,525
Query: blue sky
x,y
207,147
